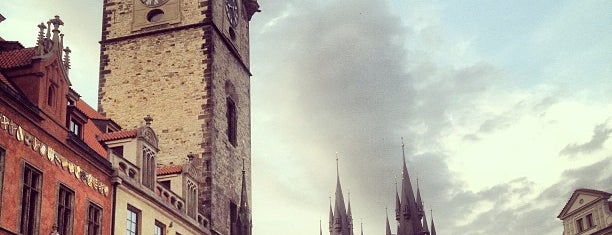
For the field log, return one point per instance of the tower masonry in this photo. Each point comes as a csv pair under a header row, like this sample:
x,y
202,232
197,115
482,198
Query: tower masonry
x,y
186,64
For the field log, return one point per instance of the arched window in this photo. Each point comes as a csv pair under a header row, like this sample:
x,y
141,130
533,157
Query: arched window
x,y
148,167
51,95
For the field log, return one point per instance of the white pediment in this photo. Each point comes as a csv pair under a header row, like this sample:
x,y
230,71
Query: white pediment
x,y
580,201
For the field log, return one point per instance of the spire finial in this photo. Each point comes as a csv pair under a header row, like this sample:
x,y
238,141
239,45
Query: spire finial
x,y
243,165
403,153
67,58
148,119
395,183
191,156
337,168
40,39
56,24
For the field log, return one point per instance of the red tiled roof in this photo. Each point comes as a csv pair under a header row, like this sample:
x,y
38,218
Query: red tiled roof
x,y
90,130
88,110
171,169
16,58
118,135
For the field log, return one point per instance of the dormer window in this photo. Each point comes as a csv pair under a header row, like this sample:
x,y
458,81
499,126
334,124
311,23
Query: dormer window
x,y
75,127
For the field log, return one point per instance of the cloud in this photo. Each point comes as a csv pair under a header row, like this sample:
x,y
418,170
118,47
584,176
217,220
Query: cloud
x,y
601,133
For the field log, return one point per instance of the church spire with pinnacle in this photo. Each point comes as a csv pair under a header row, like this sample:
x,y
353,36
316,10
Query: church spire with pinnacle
x,y
409,222
433,226
419,202
425,226
244,222
388,227
341,220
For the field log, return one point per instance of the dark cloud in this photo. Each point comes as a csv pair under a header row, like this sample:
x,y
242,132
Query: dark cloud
x,y
332,76
601,133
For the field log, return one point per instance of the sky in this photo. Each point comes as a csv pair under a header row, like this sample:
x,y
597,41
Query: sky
x,y
504,106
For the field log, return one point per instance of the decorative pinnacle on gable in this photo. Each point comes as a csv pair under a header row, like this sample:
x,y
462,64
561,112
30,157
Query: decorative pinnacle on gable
x,y
52,41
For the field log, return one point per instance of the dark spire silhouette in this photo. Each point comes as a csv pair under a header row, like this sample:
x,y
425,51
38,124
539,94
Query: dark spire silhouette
x,y
244,222
433,226
409,222
388,227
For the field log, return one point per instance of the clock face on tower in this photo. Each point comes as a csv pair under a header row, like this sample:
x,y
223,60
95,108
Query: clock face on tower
x,y
153,3
232,12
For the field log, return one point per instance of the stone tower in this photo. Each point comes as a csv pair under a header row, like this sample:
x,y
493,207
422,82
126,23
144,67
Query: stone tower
x,y
185,63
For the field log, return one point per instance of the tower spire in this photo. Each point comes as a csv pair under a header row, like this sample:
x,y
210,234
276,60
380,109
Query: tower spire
x,y
398,205
425,226
419,202
361,226
320,228
331,215
341,223
433,226
388,227
409,222
244,212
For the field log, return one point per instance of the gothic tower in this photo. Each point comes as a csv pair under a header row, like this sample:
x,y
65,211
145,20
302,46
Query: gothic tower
x,y
408,212
340,219
185,63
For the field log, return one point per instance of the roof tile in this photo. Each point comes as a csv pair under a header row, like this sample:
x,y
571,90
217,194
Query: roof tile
x,y
118,135
16,58
171,169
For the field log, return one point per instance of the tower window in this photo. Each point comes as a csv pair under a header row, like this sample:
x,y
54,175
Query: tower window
x,y
148,167
232,122
233,218
30,200
155,15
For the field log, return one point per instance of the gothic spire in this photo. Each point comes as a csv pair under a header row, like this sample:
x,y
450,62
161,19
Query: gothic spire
x,y
244,213
341,219
425,226
419,202
320,229
331,215
398,205
388,227
433,226
409,222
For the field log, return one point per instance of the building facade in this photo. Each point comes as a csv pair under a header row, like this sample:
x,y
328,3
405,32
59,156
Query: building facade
x,y
185,63
587,212
54,175
149,199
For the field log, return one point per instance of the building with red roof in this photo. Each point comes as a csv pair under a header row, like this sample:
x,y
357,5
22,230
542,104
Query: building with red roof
x,y
55,175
